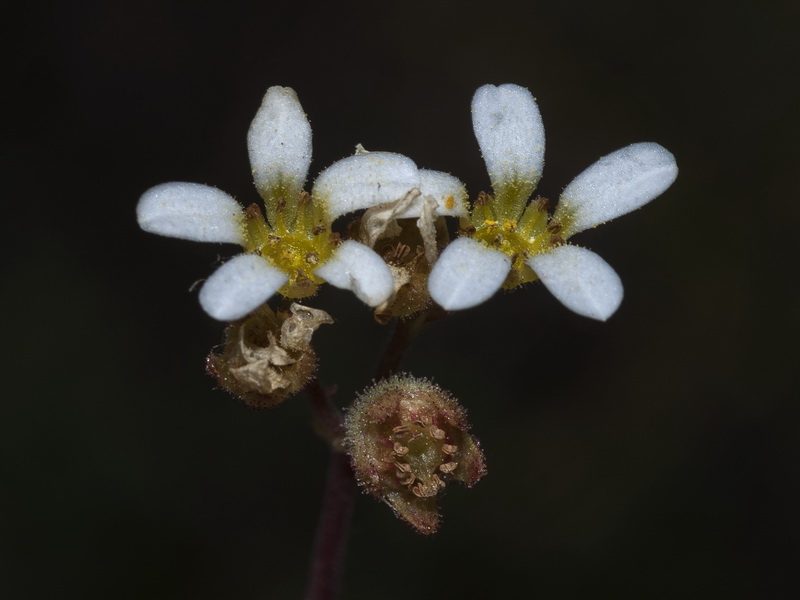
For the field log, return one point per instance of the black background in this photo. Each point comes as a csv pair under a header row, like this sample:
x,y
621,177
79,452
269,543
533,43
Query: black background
x,y
653,456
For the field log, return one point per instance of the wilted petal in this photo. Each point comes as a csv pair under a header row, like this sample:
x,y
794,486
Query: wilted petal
x,y
510,133
279,142
448,192
190,211
239,286
358,268
580,279
616,184
467,274
364,180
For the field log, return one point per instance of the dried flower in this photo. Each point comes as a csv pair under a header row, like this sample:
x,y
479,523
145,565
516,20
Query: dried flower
x,y
407,438
404,193
268,357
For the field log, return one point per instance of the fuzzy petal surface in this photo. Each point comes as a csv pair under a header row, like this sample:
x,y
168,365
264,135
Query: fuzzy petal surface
x,y
190,211
615,185
239,286
510,134
356,267
580,280
364,180
448,192
467,274
279,142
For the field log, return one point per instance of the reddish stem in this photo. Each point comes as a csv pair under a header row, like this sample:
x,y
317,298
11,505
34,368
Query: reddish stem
x,y
330,542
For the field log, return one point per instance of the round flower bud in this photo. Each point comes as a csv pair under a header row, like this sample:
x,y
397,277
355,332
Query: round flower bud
x,y
407,438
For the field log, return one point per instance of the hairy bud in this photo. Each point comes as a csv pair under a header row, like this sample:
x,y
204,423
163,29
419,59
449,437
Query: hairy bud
x,y
407,438
268,356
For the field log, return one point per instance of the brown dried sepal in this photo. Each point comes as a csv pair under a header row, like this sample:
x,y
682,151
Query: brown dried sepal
x,y
267,356
407,438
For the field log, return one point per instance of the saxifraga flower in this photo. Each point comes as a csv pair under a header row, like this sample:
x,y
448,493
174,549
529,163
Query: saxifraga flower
x,y
507,240
292,248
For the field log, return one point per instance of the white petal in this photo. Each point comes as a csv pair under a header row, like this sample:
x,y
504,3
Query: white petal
x,y
580,279
279,141
467,274
364,180
190,211
510,133
616,184
358,268
449,193
239,286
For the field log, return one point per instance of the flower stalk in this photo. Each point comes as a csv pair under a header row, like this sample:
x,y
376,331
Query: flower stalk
x,y
333,525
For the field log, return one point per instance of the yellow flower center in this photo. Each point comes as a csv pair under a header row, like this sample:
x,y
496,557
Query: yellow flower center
x,y
297,239
532,232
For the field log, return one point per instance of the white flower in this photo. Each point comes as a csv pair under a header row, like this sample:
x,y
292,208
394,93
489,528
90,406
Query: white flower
x,y
511,241
293,249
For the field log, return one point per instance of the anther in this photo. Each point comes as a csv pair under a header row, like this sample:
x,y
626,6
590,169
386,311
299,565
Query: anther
x,y
436,433
448,467
483,199
554,227
426,490
312,258
449,449
402,471
411,479
253,211
400,450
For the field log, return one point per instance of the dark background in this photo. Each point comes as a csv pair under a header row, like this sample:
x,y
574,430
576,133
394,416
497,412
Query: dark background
x,y
652,456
